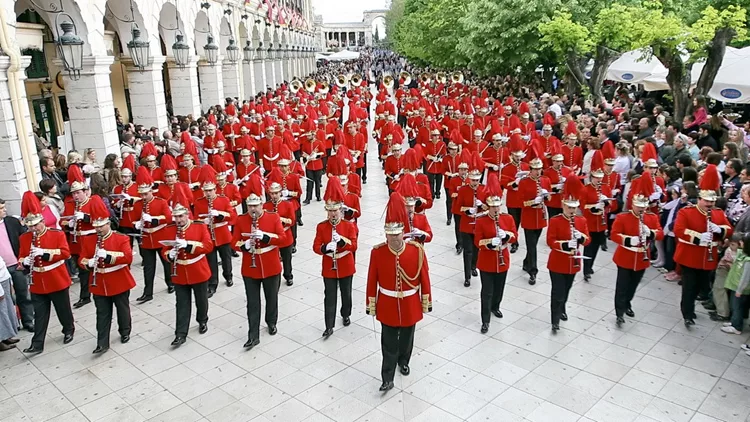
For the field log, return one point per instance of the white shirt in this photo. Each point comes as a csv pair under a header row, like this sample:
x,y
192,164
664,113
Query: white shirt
x,y
555,108
4,274
622,167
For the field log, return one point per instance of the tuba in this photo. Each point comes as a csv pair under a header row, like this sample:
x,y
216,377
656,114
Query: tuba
x,y
405,76
356,80
441,78
310,85
457,77
295,86
426,78
388,81
324,88
342,81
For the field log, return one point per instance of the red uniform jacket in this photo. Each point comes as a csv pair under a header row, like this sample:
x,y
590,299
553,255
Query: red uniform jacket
x,y
268,150
351,200
290,182
454,186
231,191
507,180
48,273
467,199
626,232
190,176
690,223
596,217
479,147
127,205
82,227
393,167
112,272
317,147
209,142
562,257
493,156
419,221
228,159
219,230
555,179
191,262
450,167
533,216
286,212
572,157
161,216
434,151
398,285
345,248
489,256
267,257
245,170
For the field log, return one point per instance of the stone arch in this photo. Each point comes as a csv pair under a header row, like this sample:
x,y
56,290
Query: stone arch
x,y
117,14
170,24
255,36
243,35
201,31
226,31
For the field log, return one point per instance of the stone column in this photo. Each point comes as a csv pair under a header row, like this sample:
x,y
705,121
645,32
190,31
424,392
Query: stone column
x,y
91,108
279,66
211,85
288,65
183,84
147,101
270,70
259,71
230,75
13,178
248,80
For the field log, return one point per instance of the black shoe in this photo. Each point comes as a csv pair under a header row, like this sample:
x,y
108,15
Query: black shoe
x,y
587,278
124,339
67,338
33,350
716,317
178,341
317,199
604,247
294,249
532,279
29,327
405,371
387,385
709,306
289,282
211,293
235,254
448,222
170,289
485,328
99,350
306,202
629,312
689,322
467,283
474,273
11,341
437,196
701,298
459,250
251,343
81,303
300,223
555,328
272,330
563,316
364,181
229,283
347,321
202,328
497,313
513,248
328,332
620,321
144,299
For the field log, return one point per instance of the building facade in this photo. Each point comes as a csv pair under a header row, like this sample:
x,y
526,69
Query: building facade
x,y
348,35
233,48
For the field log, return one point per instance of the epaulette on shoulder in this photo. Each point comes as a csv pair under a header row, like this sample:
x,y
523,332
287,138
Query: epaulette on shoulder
x,y
415,243
379,245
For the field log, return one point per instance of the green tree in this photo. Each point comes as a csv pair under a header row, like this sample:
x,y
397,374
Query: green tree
x,y
376,37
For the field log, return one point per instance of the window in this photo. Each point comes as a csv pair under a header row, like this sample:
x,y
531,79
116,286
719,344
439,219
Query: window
x,y
38,67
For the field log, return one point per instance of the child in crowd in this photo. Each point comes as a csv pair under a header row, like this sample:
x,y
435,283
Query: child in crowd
x,y
720,297
738,284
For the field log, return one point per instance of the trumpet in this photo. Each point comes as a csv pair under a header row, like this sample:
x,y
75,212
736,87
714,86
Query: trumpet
x,y
255,227
99,244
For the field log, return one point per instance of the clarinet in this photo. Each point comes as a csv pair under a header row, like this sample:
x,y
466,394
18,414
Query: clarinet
x,y
335,266
576,264
539,193
501,256
599,198
75,226
211,219
33,260
174,263
252,252
710,245
99,242
642,237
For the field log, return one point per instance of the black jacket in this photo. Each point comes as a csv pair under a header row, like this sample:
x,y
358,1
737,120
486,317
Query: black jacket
x,y
15,230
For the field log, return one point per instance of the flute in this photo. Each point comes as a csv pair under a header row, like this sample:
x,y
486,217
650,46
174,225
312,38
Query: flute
x,y
211,219
643,239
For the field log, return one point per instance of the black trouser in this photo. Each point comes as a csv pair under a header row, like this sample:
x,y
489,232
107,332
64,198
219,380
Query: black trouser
x,y
297,155
470,254
362,172
457,229
331,286
286,260
225,252
552,211
83,279
397,344
436,183
149,270
252,295
314,179
592,249
561,284
104,305
627,282
532,239
325,158
692,280
22,299
185,306
516,214
126,231
493,286
669,251
448,202
61,301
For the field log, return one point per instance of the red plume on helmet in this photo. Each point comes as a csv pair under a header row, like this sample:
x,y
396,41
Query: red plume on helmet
x,y
597,164
334,195
494,190
573,190
31,209
648,156
608,152
143,180
710,183
207,177
184,137
549,118
410,160
191,150
523,109
128,164
168,165
509,101
253,190
407,187
571,128
217,162
641,189
181,200
336,166
149,151
98,211
76,181
516,144
396,216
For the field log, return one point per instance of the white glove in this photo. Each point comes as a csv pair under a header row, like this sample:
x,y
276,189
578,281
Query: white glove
x,y
79,215
576,234
714,228
249,244
654,196
602,197
331,246
146,217
706,238
285,193
417,232
477,202
517,181
28,261
562,180
92,262
615,191
538,200
472,211
526,137
545,192
207,221
35,252
258,234
658,189
496,241
215,213
138,225
645,231
494,167
336,237
71,223
181,243
172,254
573,244
101,253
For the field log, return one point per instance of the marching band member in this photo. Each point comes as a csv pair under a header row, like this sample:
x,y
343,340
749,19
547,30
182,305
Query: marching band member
x,y
557,175
450,169
398,291
245,169
153,215
291,187
284,208
217,214
190,270
257,235
572,153
336,240
597,200
418,228
268,149
462,179
394,167
510,177
43,252
108,255
633,231
470,201
223,187
313,150
496,154
78,214
699,230
534,191
225,156
565,234
434,153
129,191
492,234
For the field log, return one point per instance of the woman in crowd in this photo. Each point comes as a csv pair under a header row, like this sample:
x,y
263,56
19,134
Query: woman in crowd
x,y
49,188
112,166
8,319
49,212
